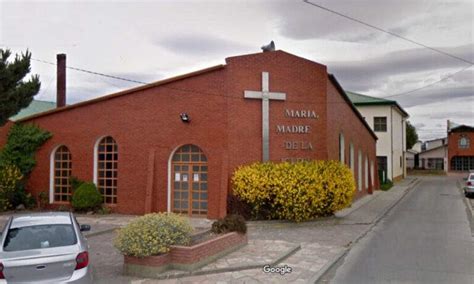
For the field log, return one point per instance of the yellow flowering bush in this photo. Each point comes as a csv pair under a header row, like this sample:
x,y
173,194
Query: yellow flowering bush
x,y
153,234
294,191
10,177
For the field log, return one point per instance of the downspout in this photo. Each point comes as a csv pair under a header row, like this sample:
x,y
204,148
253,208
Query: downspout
x,y
391,139
403,149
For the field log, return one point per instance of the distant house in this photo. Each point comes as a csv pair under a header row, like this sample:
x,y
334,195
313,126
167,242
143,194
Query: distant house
x,y
434,158
460,147
433,155
417,146
410,157
434,143
387,118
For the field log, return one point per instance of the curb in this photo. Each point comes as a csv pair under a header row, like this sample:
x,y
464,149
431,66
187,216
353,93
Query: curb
x,y
260,265
317,276
466,200
360,203
101,232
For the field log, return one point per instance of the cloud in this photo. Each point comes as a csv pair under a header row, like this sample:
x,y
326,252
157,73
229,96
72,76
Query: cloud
x,y
301,21
429,96
364,75
200,45
419,125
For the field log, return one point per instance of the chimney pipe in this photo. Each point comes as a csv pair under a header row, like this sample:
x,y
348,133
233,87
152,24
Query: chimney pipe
x,y
61,80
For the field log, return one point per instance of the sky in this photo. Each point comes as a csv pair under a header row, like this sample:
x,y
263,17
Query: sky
x,y
148,41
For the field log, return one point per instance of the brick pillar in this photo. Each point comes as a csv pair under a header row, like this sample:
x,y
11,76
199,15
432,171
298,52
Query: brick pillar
x,y
61,80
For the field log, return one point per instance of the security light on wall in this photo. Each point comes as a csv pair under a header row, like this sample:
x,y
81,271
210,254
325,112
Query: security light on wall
x,y
185,117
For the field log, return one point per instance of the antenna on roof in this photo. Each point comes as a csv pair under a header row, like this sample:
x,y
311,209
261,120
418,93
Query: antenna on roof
x,y
268,47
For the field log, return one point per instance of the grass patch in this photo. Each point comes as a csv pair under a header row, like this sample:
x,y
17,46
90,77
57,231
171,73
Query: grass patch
x,y
387,185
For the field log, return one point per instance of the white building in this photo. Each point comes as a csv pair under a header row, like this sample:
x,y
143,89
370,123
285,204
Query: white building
x,y
434,158
410,157
434,154
417,146
388,120
434,143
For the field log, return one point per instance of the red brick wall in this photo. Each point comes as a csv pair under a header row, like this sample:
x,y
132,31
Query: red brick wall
x,y
304,83
192,254
187,255
453,145
4,133
139,122
342,119
224,125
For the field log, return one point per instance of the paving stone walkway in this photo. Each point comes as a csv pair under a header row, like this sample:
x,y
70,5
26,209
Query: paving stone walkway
x,y
321,242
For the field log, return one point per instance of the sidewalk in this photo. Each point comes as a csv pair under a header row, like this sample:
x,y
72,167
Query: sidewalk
x,y
308,248
321,243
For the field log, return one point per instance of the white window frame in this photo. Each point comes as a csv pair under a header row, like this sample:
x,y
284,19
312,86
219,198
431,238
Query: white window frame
x,y
51,171
372,173
359,171
366,169
352,163
96,159
341,147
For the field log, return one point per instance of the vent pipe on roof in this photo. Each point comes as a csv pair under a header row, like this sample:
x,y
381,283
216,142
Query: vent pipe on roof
x,y
61,80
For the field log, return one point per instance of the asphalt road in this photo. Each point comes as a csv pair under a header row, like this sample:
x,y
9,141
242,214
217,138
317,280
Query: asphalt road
x,y
426,238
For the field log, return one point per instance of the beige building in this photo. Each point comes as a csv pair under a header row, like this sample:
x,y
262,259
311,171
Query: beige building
x,y
388,120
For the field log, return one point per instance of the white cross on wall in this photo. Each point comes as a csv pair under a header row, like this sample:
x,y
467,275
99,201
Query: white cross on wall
x,y
265,95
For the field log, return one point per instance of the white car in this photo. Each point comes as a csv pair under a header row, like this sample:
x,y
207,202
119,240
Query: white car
x,y
469,188
44,248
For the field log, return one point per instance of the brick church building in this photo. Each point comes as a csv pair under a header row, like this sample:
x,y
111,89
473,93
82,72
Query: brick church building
x,y
173,145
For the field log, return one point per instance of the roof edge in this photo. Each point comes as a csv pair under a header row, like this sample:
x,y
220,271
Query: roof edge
x,y
435,148
333,79
470,128
125,92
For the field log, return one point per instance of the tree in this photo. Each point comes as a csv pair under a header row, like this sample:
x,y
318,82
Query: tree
x,y
412,136
15,93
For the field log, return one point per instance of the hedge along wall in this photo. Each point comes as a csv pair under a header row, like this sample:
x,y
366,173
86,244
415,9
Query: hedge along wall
x,y
294,191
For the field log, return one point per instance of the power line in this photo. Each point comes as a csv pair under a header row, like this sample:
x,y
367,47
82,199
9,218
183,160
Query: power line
x,y
92,72
431,84
388,32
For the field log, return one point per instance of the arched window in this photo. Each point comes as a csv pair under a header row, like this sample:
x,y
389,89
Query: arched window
x,y
341,148
463,142
61,172
366,170
372,173
106,169
189,192
359,171
351,157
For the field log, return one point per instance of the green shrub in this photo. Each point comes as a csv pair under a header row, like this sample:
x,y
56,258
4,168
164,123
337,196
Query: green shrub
x,y
20,196
104,210
75,183
238,207
86,197
22,142
153,234
230,223
43,199
10,178
294,191
387,185
63,208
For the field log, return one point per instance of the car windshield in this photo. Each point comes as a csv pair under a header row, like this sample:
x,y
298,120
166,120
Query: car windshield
x,y
39,237
471,177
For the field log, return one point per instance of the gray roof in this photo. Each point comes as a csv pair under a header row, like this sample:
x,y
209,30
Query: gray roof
x,y
363,100
35,107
